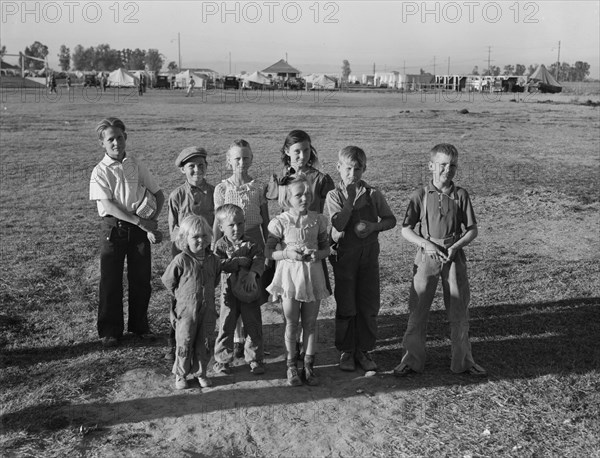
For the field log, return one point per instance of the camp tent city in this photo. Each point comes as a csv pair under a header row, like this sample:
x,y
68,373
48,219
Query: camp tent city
x,y
122,78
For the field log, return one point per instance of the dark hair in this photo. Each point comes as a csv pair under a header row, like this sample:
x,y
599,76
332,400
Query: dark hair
x,y
444,148
298,136
106,123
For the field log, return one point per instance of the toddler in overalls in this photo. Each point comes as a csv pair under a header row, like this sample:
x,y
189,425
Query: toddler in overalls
x,y
447,224
358,213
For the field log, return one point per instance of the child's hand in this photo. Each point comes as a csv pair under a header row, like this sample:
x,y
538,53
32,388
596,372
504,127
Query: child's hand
x,y
148,225
155,236
249,282
293,254
309,255
364,228
351,190
435,252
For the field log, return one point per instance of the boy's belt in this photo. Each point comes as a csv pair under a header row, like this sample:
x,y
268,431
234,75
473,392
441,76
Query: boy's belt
x,y
445,242
118,222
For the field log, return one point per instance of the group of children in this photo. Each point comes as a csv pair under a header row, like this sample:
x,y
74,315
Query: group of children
x,y
224,234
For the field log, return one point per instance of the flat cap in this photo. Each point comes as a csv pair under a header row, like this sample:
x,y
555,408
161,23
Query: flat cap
x,y
188,153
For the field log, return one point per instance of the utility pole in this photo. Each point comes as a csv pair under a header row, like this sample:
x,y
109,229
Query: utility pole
x,y
558,61
179,49
489,60
433,65
230,62
404,66
448,65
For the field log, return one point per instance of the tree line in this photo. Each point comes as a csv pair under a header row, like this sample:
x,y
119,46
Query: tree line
x,y
98,58
104,58
579,71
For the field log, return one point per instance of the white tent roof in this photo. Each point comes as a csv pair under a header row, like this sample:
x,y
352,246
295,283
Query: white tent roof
x,y
257,77
122,78
183,78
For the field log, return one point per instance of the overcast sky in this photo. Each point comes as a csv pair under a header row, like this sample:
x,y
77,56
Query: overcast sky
x,y
317,36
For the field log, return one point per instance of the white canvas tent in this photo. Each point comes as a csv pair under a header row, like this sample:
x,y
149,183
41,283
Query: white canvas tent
x,y
148,75
542,80
182,79
317,81
256,79
122,78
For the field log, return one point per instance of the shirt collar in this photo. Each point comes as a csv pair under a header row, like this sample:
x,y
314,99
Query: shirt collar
x,y
203,186
433,188
108,161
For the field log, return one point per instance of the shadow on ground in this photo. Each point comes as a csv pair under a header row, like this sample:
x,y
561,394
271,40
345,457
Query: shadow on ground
x,y
511,341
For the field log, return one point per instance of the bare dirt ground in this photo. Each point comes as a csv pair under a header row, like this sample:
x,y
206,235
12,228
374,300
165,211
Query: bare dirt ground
x,y
531,169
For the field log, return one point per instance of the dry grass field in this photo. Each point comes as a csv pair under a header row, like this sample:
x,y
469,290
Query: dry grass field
x,y
531,166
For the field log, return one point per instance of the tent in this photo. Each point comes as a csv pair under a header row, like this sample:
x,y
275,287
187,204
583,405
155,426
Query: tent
x,y
256,80
316,81
122,78
544,81
182,79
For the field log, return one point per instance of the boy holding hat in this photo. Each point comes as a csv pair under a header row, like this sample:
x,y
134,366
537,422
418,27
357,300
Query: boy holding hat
x,y
194,197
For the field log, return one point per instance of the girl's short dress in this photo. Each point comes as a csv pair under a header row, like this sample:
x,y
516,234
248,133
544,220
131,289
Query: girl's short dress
x,y
302,281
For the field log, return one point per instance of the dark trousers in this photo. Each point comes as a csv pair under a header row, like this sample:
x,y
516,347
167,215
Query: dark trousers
x,y
122,240
356,273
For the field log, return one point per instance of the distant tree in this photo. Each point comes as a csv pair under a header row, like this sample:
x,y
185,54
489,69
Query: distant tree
x,y
532,68
105,58
509,69
154,60
422,71
83,58
38,50
2,51
172,66
64,58
492,71
137,60
520,69
345,72
475,70
580,71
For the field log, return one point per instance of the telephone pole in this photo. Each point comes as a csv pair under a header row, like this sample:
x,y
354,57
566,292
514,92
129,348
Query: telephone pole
x,y
489,60
448,65
558,61
433,65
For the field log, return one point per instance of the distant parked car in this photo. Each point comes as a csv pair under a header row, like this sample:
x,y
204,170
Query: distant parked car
x,y
91,81
231,82
162,82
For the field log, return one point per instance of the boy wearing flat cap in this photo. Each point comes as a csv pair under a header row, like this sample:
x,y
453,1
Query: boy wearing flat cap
x,y
194,197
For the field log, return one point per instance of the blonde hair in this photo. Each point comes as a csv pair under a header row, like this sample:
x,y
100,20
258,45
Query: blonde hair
x,y
444,148
300,179
106,123
353,154
227,211
241,143
192,223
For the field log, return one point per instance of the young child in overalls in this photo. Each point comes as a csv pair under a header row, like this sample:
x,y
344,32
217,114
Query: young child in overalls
x,y
358,213
447,224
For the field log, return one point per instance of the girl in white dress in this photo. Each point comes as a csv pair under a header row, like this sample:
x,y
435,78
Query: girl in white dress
x,y
298,241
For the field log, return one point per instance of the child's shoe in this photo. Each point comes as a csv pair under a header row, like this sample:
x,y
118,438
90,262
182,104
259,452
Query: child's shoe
x,y
180,383
257,367
347,362
238,350
366,362
308,372
293,379
204,382
222,368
